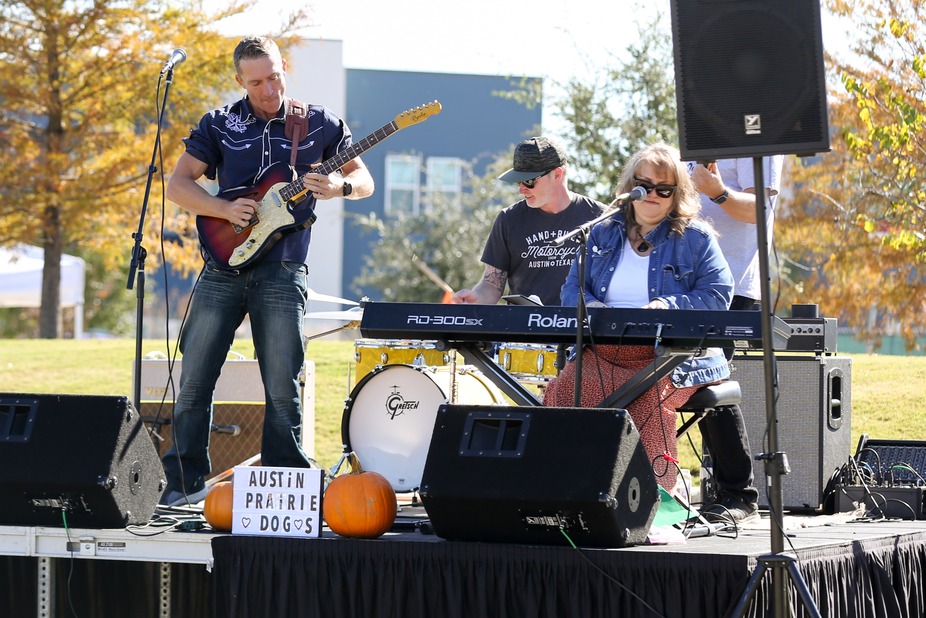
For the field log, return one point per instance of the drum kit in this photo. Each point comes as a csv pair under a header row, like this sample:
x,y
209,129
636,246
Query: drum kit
x,y
399,385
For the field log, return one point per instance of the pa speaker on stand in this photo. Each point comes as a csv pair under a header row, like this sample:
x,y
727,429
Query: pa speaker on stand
x,y
749,78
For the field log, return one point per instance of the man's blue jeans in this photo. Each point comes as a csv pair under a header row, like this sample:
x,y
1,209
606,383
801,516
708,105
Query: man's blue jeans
x,y
274,295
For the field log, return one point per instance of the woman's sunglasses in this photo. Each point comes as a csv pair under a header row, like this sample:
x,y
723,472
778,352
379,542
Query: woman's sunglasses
x,y
530,183
661,190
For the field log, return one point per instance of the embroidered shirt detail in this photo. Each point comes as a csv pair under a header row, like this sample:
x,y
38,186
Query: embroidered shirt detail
x,y
234,123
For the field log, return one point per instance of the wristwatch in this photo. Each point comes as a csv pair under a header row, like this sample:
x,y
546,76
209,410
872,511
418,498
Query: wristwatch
x,y
720,199
348,188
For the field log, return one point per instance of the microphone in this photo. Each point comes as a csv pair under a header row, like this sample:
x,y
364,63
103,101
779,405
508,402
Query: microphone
x,y
636,195
176,57
232,430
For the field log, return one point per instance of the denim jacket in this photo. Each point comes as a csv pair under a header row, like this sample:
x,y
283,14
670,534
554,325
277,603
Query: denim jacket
x,y
687,272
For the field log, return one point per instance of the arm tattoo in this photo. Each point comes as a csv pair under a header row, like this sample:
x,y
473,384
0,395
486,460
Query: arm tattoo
x,y
496,278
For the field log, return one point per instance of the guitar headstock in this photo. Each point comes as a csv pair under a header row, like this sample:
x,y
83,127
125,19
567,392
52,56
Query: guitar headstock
x,y
417,114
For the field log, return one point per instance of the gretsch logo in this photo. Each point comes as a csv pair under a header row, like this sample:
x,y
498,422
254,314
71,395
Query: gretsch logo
x,y
396,404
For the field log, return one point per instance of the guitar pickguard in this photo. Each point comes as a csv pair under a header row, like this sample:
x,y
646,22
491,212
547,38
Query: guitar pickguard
x,y
273,215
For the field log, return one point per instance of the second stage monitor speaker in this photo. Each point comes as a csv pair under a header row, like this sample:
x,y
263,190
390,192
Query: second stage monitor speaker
x,y
538,475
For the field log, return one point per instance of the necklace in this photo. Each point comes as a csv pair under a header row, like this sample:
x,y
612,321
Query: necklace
x,y
643,246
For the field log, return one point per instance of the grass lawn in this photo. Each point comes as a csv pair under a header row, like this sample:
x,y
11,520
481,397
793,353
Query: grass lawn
x,y
888,394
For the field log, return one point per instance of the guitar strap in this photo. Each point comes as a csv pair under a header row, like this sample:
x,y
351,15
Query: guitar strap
x,y
297,126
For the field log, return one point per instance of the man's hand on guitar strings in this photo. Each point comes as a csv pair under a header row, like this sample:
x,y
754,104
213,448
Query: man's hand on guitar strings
x,y
242,211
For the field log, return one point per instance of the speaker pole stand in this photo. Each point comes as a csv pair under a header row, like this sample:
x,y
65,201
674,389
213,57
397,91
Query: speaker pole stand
x,y
776,462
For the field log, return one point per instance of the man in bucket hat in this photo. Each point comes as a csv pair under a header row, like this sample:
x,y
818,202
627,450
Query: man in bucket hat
x,y
519,252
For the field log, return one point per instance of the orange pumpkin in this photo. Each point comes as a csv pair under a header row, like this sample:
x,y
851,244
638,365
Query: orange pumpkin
x,y
361,504
218,506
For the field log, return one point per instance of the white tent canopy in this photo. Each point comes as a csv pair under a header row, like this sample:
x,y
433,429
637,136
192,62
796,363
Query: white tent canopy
x,y
21,281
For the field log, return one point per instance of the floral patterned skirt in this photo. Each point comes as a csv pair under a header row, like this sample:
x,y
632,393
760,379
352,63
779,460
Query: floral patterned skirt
x,y
604,369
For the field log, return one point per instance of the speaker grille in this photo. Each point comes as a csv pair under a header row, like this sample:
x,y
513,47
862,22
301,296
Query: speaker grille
x,y
749,78
814,411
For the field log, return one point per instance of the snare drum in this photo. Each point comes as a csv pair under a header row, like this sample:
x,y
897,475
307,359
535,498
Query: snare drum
x,y
529,362
371,353
389,417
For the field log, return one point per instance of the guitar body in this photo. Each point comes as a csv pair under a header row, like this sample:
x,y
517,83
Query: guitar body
x,y
234,248
280,195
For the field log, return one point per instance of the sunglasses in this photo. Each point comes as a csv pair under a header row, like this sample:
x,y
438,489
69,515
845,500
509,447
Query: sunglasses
x,y
533,181
661,190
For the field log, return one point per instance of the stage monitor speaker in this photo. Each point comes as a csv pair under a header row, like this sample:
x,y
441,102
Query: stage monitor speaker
x,y
814,422
531,474
749,78
76,460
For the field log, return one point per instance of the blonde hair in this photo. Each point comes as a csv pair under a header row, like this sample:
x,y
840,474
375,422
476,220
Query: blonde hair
x,y
686,203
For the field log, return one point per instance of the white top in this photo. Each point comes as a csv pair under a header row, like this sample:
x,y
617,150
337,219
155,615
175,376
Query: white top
x,y
738,240
628,287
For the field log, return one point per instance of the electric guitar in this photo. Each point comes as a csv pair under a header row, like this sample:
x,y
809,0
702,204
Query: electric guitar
x,y
280,193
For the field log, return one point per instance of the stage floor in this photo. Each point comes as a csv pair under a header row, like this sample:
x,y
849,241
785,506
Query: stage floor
x,y
852,567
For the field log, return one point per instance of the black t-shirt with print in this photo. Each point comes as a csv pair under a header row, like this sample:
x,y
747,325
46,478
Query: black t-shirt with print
x,y
521,244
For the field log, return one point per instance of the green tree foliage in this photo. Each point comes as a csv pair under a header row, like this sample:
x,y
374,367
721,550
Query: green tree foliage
x,y
447,238
628,104
855,234
80,90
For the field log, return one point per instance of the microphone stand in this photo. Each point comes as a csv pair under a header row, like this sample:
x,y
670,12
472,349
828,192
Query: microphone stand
x,y
139,253
581,316
581,234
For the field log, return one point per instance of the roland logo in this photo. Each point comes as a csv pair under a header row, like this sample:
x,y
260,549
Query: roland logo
x,y
538,320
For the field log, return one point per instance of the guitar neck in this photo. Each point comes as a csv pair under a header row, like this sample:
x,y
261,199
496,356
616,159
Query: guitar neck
x,y
297,188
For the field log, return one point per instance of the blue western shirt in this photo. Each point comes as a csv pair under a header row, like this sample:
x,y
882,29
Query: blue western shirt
x,y
238,147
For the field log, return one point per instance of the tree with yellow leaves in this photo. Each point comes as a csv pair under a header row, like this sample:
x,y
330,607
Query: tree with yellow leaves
x,y
81,86
853,236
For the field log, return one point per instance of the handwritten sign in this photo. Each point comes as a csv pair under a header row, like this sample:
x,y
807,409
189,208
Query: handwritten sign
x,y
277,501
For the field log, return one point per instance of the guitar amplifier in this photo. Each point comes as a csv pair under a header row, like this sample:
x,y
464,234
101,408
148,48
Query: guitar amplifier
x,y
238,409
814,412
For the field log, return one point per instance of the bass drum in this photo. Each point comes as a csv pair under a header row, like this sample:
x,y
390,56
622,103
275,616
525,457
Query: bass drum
x,y
389,417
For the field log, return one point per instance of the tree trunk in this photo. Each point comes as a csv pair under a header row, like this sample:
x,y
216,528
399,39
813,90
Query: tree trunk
x,y
50,311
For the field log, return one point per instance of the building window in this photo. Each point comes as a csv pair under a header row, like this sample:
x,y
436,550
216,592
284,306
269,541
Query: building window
x,y
445,180
403,184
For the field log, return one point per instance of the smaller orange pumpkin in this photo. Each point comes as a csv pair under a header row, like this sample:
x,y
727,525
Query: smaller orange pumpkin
x,y
361,504
217,508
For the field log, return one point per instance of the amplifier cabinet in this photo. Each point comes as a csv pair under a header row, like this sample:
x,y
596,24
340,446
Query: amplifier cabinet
x,y
237,411
814,421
